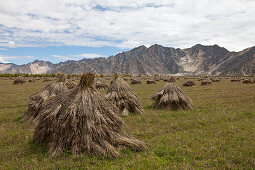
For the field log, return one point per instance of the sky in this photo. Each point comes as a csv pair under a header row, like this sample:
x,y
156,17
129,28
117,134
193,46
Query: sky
x,y
60,30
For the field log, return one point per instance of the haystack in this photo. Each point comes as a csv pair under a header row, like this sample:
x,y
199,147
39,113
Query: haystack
x,y
189,83
247,81
215,79
235,80
171,97
31,80
172,79
206,82
83,122
136,81
151,81
70,84
120,94
101,84
19,80
37,99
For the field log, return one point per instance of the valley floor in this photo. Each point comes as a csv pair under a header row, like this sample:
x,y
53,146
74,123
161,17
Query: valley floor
x,y
218,133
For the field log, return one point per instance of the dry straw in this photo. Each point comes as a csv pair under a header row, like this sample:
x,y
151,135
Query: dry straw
x,y
83,121
171,97
120,94
36,100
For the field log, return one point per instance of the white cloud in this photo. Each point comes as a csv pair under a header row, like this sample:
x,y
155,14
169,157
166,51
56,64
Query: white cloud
x,y
3,49
6,58
77,57
127,23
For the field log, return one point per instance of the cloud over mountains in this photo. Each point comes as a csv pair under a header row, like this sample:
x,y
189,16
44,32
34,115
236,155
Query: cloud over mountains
x,y
127,23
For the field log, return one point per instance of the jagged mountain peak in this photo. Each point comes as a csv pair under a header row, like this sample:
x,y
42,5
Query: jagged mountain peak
x,y
156,59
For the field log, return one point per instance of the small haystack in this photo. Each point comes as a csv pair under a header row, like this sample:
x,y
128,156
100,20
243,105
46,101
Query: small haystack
x,y
136,81
172,79
31,80
151,81
171,97
19,80
83,122
101,84
36,100
247,81
235,80
206,82
213,79
70,84
120,94
189,83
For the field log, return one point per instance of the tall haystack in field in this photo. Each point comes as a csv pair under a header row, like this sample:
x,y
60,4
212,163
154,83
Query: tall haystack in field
x,y
101,84
19,80
171,97
82,121
120,94
206,82
36,100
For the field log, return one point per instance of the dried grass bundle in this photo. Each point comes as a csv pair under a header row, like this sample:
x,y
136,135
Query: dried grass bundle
x,y
136,81
189,83
37,99
19,80
206,82
171,97
151,81
120,94
83,121
101,83
247,81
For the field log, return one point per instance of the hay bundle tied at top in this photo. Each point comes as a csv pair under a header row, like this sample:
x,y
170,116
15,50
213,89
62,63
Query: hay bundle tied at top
x,y
36,100
82,121
171,97
120,94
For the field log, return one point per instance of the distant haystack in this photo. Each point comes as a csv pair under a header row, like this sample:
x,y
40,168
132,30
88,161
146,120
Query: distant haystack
x,y
172,79
120,94
70,84
136,81
206,82
31,80
247,81
100,83
36,100
19,80
189,83
151,81
215,79
171,97
235,80
83,122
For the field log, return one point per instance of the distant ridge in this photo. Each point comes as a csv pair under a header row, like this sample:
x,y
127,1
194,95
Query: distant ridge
x,y
156,59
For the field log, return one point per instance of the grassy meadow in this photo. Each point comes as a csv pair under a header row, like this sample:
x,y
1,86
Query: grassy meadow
x,y
218,133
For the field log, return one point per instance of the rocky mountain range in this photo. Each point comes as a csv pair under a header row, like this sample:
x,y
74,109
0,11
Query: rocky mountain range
x,y
156,59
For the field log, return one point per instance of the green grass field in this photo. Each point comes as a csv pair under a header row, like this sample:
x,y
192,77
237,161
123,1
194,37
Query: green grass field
x,y
218,133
